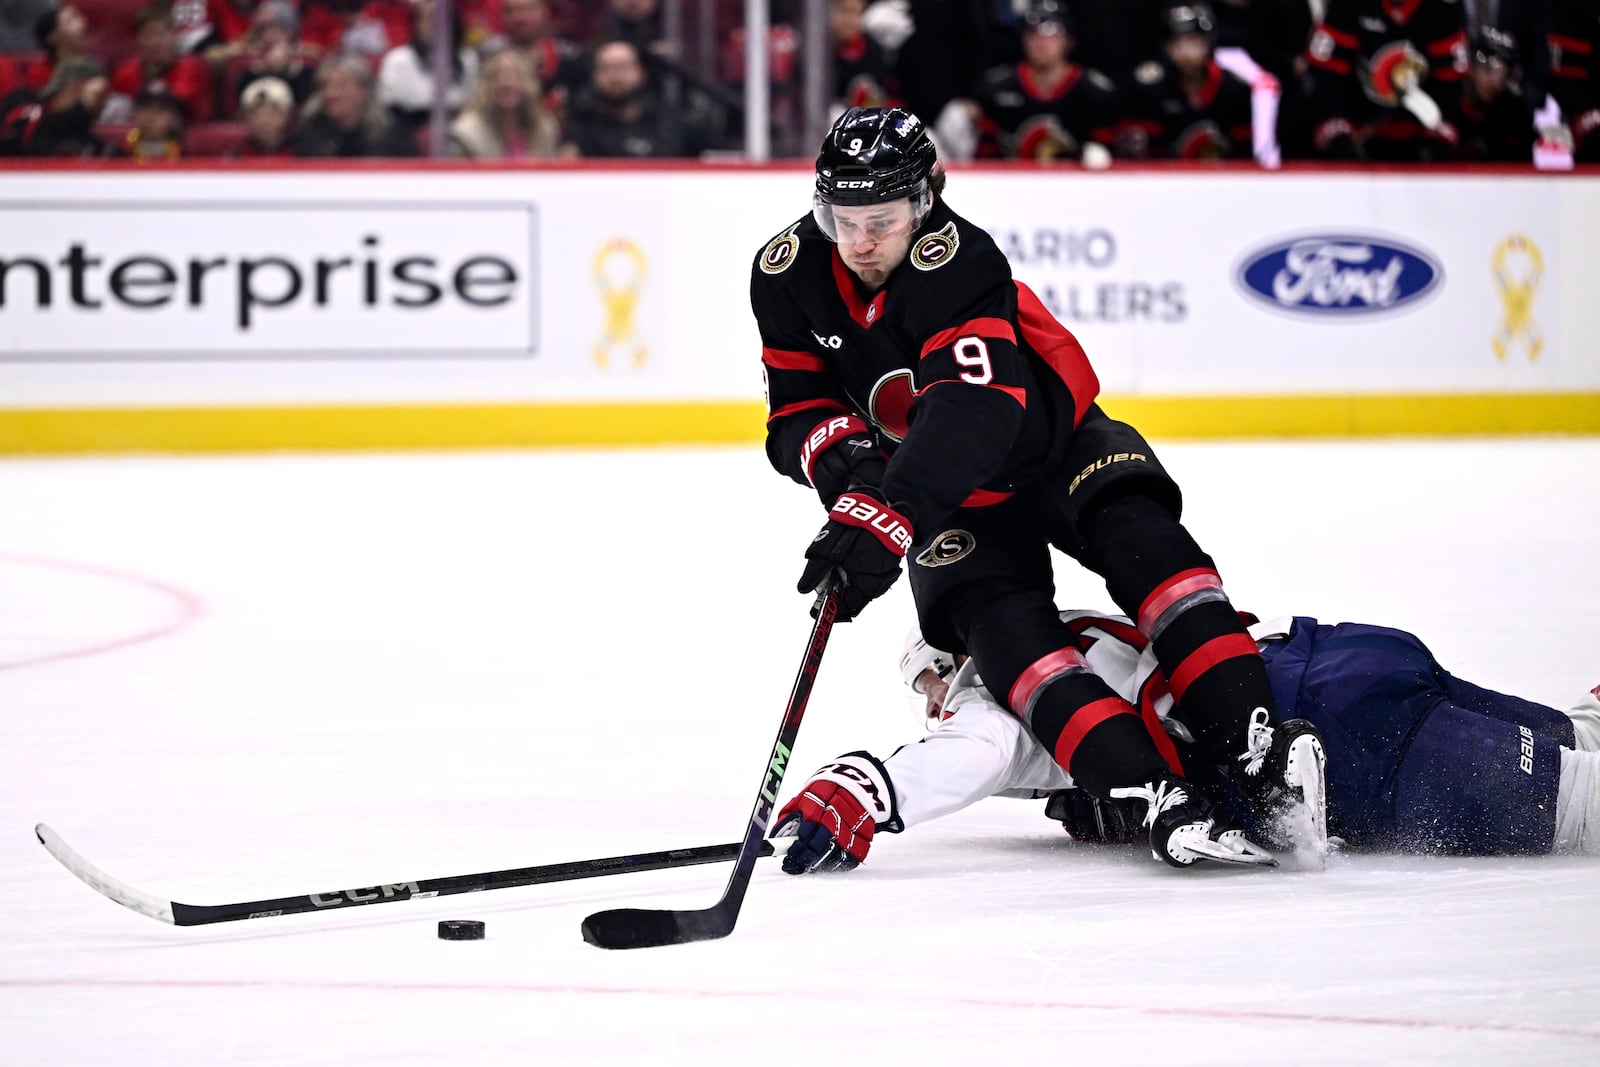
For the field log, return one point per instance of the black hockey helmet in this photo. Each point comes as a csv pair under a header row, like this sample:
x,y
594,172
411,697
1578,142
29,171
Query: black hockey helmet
x,y
873,155
1045,16
1491,45
1191,18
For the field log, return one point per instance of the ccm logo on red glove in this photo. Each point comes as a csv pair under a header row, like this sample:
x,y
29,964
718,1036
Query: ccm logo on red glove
x,y
882,521
833,817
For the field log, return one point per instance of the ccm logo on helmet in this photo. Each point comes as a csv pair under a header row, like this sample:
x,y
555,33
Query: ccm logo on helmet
x,y
862,511
856,183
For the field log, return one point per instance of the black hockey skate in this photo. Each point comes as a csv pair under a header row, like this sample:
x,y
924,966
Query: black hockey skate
x,y
1282,775
1184,829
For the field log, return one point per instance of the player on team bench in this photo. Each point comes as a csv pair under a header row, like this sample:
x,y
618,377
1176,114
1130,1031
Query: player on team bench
x,y
1417,759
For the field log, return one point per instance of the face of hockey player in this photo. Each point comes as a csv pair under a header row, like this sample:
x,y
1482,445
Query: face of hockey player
x,y
1488,79
873,239
1046,45
1189,52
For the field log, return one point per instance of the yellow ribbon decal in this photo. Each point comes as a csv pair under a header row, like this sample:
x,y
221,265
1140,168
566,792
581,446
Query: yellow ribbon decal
x,y
1518,269
619,272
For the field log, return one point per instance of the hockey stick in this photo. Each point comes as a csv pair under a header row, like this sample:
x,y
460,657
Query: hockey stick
x,y
170,911
650,927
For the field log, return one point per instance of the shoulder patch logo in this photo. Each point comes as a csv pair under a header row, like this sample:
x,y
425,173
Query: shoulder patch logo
x,y
947,548
780,252
936,249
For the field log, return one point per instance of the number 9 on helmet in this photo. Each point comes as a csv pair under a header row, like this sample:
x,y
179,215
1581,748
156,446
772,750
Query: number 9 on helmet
x,y
871,156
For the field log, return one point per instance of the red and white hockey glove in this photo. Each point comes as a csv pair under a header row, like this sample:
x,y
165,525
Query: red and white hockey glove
x,y
838,453
864,541
833,817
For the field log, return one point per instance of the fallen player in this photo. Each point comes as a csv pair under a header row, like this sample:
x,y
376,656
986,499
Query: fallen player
x,y
1417,759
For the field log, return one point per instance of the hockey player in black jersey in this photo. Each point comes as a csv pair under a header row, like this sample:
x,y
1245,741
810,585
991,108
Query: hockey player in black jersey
x,y
1575,73
941,413
1046,107
1184,105
1383,71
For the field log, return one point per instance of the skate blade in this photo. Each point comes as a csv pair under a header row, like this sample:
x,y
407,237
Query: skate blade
x,y
1304,822
1230,847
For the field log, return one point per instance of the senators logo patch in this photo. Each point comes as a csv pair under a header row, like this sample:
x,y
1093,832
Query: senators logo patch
x,y
947,548
780,252
936,249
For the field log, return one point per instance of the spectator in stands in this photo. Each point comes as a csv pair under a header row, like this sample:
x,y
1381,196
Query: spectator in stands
x,y
1183,105
57,120
366,28
203,26
18,20
63,33
1277,35
345,119
1382,75
156,132
1492,117
1046,107
156,58
506,117
405,79
272,50
861,75
1575,73
618,114
267,106
636,21
557,63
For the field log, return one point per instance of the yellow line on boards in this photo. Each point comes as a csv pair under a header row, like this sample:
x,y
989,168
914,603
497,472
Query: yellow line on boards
x,y
54,431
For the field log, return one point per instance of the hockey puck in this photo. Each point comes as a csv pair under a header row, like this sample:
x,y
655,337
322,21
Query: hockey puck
x,y
461,930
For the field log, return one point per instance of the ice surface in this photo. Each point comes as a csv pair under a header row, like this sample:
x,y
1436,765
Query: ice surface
x,y
223,679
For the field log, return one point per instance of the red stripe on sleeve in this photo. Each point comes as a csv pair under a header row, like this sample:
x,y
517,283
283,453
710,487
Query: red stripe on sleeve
x,y
820,404
983,498
1576,45
996,328
1339,37
1445,45
779,359
1208,655
1057,347
1083,720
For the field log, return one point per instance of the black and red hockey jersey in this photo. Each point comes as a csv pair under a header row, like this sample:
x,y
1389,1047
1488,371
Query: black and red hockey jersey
x,y
1355,50
1211,122
1024,120
1575,72
964,377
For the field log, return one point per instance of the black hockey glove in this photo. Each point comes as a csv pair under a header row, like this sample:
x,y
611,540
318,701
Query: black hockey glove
x,y
864,541
839,454
1101,822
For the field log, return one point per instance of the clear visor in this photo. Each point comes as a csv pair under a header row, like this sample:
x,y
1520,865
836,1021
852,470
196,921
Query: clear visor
x,y
852,224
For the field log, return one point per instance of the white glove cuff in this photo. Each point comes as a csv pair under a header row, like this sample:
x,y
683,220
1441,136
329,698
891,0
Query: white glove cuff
x,y
863,777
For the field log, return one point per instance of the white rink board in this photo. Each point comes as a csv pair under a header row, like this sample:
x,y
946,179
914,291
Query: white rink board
x,y
198,287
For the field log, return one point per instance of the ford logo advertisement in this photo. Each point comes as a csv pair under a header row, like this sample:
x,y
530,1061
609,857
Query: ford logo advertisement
x,y
1338,275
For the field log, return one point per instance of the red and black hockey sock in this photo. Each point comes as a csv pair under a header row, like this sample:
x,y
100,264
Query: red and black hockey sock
x,y
1028,656
1162,579
1216,676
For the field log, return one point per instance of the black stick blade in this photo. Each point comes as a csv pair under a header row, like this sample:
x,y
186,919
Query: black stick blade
x,y
652,928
